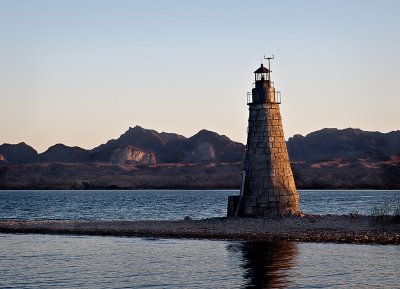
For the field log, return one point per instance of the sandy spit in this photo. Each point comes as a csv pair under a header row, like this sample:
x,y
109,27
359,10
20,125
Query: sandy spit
x,y
308,228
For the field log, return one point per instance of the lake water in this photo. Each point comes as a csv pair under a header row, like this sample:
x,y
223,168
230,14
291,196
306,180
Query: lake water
x,y
50,261
168,205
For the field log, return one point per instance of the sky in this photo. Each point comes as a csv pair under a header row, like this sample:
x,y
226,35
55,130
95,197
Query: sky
x,y
83,72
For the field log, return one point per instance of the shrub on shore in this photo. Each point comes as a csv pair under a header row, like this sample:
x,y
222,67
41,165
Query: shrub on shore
x,y
354,215
384,212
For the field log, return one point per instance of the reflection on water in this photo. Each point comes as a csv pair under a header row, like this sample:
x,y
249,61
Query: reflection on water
x,y
266,264
55,262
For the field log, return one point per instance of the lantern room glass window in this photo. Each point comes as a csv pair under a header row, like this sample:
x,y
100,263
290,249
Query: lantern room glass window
x,y
262,76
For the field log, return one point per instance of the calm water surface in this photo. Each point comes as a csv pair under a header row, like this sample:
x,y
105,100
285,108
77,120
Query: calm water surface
x,y
168,205
46,261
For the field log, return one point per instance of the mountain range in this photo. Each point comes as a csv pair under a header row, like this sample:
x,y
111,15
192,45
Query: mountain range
x,y
136,146
143,158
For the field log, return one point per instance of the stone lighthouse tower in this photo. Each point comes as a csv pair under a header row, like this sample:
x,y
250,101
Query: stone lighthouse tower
x,y
268,187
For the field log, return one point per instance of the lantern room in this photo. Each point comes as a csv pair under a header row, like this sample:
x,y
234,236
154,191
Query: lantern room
x,y
263,88
262,73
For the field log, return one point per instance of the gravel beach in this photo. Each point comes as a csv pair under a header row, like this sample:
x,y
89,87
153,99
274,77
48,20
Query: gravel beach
x,y
307,228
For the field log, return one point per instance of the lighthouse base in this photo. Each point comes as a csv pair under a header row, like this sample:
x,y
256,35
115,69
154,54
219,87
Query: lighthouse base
x,y
260,207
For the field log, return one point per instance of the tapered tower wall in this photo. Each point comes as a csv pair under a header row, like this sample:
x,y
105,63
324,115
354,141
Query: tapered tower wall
x,y
269,187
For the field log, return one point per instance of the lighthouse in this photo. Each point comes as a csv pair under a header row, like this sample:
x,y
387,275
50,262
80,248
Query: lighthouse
x,y
268,188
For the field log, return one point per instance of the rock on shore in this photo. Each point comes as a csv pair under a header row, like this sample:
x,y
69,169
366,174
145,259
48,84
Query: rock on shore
x,y
309,228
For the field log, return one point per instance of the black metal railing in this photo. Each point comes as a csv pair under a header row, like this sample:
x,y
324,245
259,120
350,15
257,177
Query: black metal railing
x,y
271,84
274,97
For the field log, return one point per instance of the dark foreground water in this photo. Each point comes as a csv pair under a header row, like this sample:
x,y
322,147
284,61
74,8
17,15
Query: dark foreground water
x,y
48,261
169,205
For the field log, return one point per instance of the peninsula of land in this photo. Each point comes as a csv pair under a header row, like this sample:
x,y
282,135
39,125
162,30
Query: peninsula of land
x,y
307,228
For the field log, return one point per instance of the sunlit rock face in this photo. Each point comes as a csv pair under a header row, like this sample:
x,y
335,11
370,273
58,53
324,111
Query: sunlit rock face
x,y
3,160
205,146
132,154
124,155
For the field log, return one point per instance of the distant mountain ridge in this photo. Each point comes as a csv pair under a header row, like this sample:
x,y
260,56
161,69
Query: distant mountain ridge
x,y
20,153
145,139
141,158
136,145
60,153
348,158
346,143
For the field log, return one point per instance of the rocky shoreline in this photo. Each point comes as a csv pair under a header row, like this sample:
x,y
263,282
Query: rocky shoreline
x,y
307,228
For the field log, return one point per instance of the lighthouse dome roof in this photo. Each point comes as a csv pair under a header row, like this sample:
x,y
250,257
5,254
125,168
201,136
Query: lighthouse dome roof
x,y
262,69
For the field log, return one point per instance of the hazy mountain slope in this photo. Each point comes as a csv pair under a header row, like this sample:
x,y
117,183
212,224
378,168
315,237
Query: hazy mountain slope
x,y
348,158
60,153
348,144
205,146
144,139
324,159
18,153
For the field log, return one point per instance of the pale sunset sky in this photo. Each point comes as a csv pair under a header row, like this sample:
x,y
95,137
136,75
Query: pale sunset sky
x,y
82,72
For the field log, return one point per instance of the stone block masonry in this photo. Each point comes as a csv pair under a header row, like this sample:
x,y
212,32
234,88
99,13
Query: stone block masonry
x,y
269,187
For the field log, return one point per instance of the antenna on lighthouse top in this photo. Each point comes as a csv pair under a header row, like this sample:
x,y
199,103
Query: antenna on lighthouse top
x,y
269,65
